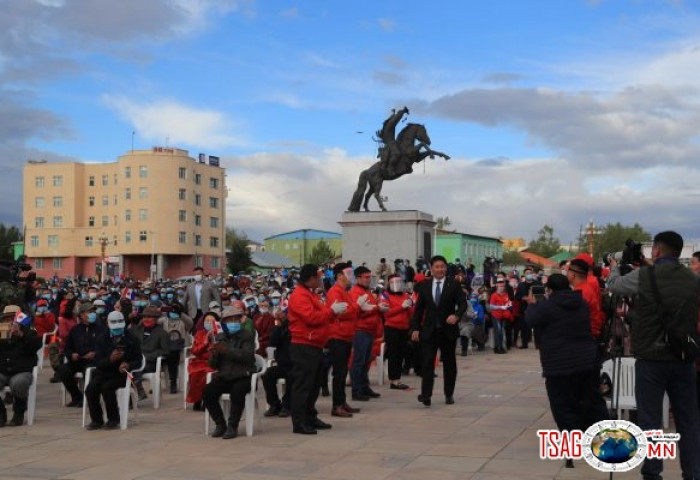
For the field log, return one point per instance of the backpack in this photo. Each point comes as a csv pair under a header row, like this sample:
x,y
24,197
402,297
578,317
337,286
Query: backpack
x,y
680,337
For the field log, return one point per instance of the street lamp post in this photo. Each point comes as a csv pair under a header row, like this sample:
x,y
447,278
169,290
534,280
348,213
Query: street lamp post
x,y
153,255
104,241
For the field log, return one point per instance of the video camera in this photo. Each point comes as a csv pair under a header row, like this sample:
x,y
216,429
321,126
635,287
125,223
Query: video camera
x,y
10,271
629,258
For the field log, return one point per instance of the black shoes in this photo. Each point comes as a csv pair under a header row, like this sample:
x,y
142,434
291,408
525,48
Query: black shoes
x,y
449,400
111,425
398,386
219,430
173,388
17,420
304,430
284,413
272,412
360,397
569,463
231,432
319,424
371,393
198,407
324,391
94,426
424,400
75,403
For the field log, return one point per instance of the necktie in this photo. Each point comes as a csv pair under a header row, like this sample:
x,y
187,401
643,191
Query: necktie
x,y
437,293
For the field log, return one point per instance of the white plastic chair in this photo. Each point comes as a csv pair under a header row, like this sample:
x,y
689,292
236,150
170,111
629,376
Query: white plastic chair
x,y
185,379
380,364
31,398
154,378
626,381
251,400
42,351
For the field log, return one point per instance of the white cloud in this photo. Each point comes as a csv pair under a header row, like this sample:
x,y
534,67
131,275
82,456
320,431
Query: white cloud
x,y
182,124
387,24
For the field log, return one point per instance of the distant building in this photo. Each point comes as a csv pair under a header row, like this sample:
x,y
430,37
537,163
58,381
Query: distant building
x,y
254,246
513,243
299,244
157,207
467,247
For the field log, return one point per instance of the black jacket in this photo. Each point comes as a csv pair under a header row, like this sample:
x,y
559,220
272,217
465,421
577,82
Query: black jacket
x,y
233,355
82,338
566,344
18,355
106,344
155,344
281,339
427,316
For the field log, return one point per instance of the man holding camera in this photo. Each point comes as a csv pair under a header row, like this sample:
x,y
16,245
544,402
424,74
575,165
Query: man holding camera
x,y
666,293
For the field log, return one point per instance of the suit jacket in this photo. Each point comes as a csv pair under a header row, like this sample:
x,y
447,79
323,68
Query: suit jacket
x,y
427,316
209,293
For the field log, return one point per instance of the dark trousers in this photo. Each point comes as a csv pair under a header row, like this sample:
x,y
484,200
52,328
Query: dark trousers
x,y
361,358
447,344
237,389
525,332
395,340
306,382
105,386
173,362
678,379
66,372
339,351
575,401
269,379
510,333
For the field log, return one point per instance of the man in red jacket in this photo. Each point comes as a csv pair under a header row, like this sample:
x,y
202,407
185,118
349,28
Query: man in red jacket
x,y
577,275
309,325
368,321
342,331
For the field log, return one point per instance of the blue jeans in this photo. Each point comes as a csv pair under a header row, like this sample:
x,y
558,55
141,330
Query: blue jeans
x,y
678,379
361,356
497,332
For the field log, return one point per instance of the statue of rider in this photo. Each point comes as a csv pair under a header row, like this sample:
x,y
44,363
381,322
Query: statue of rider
x,y
390,152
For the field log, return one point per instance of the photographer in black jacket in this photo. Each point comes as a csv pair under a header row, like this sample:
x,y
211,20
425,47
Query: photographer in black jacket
x,y
659,367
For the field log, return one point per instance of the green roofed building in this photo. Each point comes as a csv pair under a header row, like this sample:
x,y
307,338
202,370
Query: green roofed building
x,y
299,244
467,247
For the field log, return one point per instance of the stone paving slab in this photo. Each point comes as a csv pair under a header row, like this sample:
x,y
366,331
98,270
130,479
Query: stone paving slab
x,y
489,434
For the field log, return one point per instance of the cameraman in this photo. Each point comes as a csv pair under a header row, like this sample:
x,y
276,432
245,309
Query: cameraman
x,y
658,369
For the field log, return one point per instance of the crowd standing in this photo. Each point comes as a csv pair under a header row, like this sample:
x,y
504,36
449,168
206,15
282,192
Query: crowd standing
x,y
332,319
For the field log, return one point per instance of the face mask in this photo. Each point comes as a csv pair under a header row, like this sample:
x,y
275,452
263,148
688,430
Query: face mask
x,y
41,310
100,310
142,303
92,317
155,297
474,301
46,296
105,298
197,278
92,296
350,275
264,310
396,285
170,296
275,301
147,292
250,303
149,322
173,315
208,327
529,277
54,290
162,295
180,293
261,299
233,327
83,296
116,332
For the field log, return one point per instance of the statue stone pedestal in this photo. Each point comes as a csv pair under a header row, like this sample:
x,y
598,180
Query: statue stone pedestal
x,y
369,236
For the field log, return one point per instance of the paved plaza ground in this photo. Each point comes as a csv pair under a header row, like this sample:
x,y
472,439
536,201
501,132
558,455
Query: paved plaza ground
x,y
489,434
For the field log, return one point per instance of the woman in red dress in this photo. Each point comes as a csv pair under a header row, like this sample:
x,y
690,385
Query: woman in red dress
x,y
199,362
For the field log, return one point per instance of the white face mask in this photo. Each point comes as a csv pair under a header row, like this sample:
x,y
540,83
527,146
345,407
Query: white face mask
x,y
197,278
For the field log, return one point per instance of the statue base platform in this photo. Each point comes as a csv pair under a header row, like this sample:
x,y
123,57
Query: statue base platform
x,y
404,234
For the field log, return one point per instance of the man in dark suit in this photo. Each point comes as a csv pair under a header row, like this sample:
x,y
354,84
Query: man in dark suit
x,y
439,306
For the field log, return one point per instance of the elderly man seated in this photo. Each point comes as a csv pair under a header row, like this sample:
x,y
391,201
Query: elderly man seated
x,y
17,359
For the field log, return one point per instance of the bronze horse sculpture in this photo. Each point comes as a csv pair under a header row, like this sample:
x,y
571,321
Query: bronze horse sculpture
x,y
396,159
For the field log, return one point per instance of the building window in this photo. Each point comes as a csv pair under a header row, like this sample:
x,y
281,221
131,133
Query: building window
x,y
57,222
57,263
143,193
198,261
182,194
39,263
215,263
198,220
39,182
198,240
127,172
91,221
197,179
143,214
34,240
213,202
213,242
127,194
39,222
105,180
91,201
57,201
197,199
105,200
127,237
182,237
214,182
105,221
214,222
182,173
115,220
115,178
52,241
57,180
88,241
115,199
114,240
143,236
39,202
182,215
91,180
143,171
127,215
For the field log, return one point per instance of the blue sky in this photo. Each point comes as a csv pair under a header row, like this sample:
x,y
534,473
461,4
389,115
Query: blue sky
x,y
553,111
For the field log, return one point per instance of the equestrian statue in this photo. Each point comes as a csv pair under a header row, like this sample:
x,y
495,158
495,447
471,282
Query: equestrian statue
x,y
396,154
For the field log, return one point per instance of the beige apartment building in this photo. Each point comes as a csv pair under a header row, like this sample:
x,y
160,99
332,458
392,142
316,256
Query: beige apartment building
x,y
151,214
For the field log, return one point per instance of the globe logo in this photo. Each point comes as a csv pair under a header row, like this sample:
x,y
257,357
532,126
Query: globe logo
x,y
614,445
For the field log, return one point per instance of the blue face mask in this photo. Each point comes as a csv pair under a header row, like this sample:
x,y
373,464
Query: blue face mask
x,y
141,303
147,292
155,297
207,327
116,332
46,296
41,310
233,327
169,296
275,301
180,293
83,296
92,317
173,315
100,310
105,298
